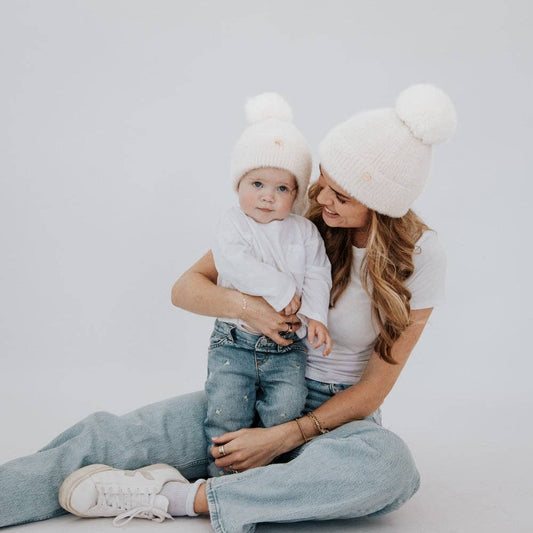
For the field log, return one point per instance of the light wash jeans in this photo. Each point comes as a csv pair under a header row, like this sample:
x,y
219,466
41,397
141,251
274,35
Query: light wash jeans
x,y
358,469
250,374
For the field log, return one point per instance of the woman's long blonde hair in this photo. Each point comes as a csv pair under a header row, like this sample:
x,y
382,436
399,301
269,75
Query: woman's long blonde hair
x,y
387,264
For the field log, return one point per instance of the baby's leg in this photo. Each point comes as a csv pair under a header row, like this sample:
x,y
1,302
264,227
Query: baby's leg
x,y
283,390
230,389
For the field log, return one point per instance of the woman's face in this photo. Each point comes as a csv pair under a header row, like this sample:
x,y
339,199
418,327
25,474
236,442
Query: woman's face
x,y
339,209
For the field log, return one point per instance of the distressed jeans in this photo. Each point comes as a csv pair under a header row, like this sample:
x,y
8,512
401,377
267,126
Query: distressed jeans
x,y
358,469
251,375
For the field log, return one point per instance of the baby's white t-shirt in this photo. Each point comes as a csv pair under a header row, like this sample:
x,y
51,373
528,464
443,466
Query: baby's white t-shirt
x,y
275,261
350,321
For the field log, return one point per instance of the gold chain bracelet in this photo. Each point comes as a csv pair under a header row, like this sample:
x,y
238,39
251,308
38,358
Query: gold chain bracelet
x,y
318,425
244,306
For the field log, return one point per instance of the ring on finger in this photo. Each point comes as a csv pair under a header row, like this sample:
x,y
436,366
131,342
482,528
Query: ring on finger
x,y
221,451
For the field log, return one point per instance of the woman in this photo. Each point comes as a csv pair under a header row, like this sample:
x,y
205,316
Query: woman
x,y
387,271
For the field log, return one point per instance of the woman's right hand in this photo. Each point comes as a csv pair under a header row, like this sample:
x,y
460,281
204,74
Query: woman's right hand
x,y
197,291
261,316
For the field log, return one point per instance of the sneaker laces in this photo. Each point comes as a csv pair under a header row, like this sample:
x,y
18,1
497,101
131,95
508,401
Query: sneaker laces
x,y
146,511
139,503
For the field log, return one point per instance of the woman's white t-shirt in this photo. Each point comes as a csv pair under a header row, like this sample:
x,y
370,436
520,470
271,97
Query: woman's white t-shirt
x,y
350,321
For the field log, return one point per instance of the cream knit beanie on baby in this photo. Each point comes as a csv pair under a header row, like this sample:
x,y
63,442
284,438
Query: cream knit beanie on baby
x,y
382,157
272,140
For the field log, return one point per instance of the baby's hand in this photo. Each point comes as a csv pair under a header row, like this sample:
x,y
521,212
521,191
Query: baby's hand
x,y
293,305
316,329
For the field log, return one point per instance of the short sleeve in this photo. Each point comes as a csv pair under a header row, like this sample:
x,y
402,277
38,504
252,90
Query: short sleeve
x,y
427,283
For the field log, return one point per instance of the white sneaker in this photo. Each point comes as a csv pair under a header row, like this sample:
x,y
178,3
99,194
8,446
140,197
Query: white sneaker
x,y
99,490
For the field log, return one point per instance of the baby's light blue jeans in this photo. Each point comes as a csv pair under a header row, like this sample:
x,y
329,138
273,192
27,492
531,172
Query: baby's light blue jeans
x,y
250,374
358,469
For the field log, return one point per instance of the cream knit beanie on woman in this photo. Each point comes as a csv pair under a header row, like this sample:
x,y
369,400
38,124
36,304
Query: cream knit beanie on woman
x,y
382,157
272,140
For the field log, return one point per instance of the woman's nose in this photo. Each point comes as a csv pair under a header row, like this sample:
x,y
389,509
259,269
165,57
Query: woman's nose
x,y
323,198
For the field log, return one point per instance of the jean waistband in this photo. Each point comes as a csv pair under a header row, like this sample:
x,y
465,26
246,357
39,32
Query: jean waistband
x,y
253,341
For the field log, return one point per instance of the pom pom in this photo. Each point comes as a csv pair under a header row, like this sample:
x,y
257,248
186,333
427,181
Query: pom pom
x,y
266,106
428,112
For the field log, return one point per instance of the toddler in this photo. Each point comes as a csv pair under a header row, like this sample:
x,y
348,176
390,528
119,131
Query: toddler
x,y
263,248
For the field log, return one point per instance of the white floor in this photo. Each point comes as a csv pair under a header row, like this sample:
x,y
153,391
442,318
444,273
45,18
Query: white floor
x,y
476,472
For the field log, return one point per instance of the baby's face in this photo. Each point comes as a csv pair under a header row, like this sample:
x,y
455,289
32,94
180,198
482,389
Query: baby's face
x,y
267,194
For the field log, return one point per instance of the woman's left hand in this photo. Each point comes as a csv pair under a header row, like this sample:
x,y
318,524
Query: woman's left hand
x,y
248,448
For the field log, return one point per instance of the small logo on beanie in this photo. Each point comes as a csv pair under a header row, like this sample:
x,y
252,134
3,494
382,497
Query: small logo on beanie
x,y
366,177
279,142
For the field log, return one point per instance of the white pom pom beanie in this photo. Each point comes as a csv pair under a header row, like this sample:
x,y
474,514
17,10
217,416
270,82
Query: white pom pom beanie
x,y
382,157
272,140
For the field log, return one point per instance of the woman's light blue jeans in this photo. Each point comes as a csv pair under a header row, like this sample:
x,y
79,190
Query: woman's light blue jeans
x,y
358,469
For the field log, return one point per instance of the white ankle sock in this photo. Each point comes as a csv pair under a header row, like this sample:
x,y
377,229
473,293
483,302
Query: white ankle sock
x,y
181,496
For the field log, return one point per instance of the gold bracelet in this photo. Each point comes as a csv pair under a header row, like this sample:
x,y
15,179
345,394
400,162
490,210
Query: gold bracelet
x,y
244,305
304,436
321,430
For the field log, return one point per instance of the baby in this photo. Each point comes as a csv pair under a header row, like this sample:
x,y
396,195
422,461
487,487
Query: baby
x,y
262,248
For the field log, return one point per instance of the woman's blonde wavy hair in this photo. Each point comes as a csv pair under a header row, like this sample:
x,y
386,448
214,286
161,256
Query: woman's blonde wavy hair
x,y
387,264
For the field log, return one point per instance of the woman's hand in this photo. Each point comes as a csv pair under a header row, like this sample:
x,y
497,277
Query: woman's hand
x,y
260,315
293,306
250,448
197,291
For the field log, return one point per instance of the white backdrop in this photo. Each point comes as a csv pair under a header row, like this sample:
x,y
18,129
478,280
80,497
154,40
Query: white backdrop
x,y
117,121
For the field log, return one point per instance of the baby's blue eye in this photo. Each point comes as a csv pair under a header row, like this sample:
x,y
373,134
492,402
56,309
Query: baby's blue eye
x,y
283,188
257,184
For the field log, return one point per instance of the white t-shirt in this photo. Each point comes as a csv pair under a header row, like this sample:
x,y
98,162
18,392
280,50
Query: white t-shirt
x,y
275,261
350,321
